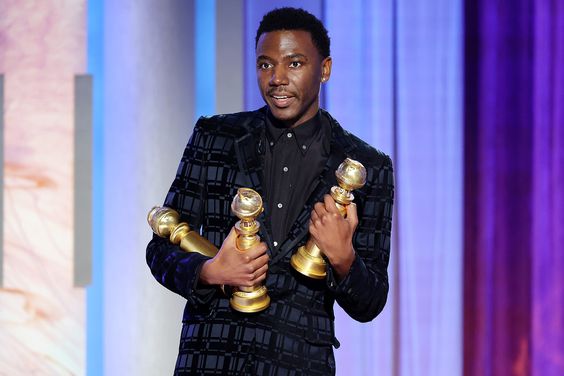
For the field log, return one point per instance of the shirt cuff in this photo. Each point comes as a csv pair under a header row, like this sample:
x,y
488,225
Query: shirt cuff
x,y
203,294
345,284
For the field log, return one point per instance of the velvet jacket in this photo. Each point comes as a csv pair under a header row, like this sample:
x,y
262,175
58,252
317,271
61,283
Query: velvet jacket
x,y
225,152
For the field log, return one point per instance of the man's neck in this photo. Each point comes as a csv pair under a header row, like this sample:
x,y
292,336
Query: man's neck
x,y
289,124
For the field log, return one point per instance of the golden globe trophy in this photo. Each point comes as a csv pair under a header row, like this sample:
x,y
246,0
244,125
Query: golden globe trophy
x,y
247,206
308,260
164,223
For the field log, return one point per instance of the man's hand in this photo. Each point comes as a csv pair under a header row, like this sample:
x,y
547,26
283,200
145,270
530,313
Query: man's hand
x,y
234,267
333,234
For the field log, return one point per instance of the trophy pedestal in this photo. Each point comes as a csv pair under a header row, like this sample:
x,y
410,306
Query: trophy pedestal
x,y
253,300
309,262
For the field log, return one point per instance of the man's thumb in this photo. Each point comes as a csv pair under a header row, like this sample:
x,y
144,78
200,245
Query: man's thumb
x,y
231,237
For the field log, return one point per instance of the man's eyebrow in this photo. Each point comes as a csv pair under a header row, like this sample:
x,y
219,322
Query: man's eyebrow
x,y
287,57
295,56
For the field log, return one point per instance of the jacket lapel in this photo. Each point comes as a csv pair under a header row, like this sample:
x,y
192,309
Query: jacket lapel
x,y
250,157
340,149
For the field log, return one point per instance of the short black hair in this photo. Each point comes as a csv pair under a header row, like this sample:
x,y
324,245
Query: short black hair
x,y
296,19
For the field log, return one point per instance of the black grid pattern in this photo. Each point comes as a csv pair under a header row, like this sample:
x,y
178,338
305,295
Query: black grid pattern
x,y
295,335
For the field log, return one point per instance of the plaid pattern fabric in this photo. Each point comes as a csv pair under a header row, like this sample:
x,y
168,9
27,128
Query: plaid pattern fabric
x,y
295,335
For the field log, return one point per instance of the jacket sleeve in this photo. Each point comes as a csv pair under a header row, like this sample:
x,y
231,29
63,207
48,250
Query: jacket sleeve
x,y
364,290
172,267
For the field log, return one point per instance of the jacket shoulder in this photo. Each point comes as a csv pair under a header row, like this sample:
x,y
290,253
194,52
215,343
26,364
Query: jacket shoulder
x,y
379,168
234,124
367,154
358,149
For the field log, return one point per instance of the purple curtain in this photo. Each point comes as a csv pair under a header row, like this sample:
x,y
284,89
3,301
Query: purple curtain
x,y
548,201
514,188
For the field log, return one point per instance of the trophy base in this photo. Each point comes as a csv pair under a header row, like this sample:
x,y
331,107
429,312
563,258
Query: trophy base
x,y
308,265
250,301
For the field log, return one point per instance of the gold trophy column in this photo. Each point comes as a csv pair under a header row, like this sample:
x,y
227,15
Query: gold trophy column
x,y
308,260
247,205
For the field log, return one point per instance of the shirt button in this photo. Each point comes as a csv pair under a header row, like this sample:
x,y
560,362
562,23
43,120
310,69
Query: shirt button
x,y
285,169
271,143
289,135
279,205
304,147
275,244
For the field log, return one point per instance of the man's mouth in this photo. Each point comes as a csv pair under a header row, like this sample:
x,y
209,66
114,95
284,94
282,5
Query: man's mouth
x,y
281,100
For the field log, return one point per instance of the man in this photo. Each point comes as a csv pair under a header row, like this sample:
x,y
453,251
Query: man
x,y
288,152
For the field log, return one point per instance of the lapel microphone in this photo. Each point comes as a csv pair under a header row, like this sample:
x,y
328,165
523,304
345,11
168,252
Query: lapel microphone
x,y
260,147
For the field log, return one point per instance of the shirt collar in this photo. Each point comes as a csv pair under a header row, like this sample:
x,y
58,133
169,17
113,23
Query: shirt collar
x,y
304,134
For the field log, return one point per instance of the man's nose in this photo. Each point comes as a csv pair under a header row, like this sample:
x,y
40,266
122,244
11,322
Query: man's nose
x,y
279,76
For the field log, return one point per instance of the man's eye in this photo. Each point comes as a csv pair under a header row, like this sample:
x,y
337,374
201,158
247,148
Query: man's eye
x,y
295,64
264,65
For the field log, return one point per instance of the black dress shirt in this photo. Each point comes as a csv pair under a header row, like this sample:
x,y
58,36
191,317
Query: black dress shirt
x,y
294,159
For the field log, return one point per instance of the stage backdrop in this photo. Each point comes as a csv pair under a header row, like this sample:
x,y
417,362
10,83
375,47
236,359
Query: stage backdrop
x,y
514,193
465,96
42,297
397,84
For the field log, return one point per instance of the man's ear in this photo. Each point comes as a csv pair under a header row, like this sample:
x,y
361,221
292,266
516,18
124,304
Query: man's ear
x,y
326,69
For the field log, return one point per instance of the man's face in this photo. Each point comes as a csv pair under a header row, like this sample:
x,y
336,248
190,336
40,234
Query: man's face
x,y
289,72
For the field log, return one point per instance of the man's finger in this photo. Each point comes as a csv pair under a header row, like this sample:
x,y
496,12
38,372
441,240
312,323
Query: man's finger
x,y
256,250
330,205
260,271
352,214
319,208
260,261
259,279
314,216
230,240
232,235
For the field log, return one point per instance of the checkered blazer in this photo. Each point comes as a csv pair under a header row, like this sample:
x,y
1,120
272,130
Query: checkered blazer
x,y
295,334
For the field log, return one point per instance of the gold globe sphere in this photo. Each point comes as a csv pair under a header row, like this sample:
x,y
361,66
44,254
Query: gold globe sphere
x,y
351,175
247,204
